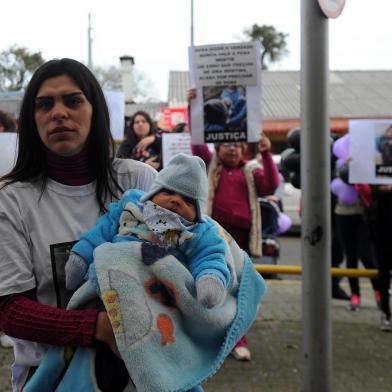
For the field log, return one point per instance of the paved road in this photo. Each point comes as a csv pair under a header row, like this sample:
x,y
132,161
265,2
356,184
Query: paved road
x,y
362,354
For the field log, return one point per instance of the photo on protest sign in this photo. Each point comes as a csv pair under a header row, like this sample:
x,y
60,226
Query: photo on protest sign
x,y
59,254
383,150
224,110
371,151
227,106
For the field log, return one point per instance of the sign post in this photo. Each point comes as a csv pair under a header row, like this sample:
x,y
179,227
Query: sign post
x,y
332,8
316,200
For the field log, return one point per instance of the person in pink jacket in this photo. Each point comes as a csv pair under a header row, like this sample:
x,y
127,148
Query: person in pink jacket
x,y
234,188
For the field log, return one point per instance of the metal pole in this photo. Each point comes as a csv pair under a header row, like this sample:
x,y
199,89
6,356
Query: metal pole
x,y
89,43
192,32
316,217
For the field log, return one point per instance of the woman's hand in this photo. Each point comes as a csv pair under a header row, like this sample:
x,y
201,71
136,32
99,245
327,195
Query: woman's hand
x,y
191,94
104,332
153,162
145,142
348,159
264,144
385,188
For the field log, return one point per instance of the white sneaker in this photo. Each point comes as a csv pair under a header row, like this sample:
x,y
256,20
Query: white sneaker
x,y
241,353
385,324
6,341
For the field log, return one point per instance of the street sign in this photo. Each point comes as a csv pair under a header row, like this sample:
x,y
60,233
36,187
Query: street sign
x,y
332,8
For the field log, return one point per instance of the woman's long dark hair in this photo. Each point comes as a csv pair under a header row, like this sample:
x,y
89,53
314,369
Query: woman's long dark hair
x,y
130,134
31,164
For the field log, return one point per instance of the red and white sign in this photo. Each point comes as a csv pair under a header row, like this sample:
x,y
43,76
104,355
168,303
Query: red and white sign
x,y
174,116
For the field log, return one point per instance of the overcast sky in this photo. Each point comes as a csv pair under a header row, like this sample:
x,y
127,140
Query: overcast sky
x,y
157,32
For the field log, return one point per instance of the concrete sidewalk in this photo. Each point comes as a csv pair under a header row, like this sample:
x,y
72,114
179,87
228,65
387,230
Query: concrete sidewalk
x,y
362,354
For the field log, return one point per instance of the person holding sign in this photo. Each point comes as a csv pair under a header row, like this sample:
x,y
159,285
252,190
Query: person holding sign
x,y
234,188
351,225
379,216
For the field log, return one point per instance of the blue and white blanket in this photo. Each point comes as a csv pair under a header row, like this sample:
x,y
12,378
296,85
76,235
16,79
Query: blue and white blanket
x,y
168,341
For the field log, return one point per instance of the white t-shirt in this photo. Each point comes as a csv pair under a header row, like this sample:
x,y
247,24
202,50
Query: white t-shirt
x,y
38,230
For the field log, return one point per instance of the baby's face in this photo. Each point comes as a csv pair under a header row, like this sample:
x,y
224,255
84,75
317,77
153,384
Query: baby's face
x,y
177,203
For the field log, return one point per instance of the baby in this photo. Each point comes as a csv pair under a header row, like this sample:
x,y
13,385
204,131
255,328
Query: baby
x,y
169,215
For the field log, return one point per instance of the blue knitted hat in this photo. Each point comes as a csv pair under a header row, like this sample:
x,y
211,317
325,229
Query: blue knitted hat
x,y
185,174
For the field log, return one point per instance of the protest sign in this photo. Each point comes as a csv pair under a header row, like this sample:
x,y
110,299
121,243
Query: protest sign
x,y
8,141
227,107
116,105
174,116
174,143
370,151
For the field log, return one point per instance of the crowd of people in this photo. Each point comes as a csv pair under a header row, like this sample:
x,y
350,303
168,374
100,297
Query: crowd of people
x,y
70,190
358,232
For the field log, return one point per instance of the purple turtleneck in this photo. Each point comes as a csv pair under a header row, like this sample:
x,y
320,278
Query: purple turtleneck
x,y
72,170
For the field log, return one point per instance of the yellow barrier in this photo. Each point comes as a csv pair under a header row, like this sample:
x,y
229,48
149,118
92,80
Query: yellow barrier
x,y
297,270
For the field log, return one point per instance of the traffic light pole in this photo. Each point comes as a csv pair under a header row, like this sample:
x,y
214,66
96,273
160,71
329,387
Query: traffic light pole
x,y
315,184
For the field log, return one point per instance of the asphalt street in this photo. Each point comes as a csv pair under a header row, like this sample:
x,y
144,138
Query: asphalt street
x,y
362,354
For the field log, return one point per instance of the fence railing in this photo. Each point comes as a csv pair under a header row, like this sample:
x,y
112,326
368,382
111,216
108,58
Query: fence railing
x,y
297,270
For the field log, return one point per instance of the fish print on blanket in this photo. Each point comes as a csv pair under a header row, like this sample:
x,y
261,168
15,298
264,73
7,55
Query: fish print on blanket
x,y
170,342
166,329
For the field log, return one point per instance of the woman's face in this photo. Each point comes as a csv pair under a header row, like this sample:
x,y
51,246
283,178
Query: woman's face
x,y
141,126
230,154
62,116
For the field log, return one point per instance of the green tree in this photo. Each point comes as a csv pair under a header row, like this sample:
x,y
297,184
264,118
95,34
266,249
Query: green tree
x,y
17,64
273,43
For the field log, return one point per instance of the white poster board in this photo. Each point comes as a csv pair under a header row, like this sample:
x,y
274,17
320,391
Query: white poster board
x,y
227,107
174,143
116,105
8,142
369,148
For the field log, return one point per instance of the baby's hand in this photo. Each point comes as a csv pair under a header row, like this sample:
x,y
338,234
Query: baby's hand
x,y
75,270
210,291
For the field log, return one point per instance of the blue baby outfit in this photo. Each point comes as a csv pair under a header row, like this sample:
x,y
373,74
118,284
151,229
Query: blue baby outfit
x,y
204,253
